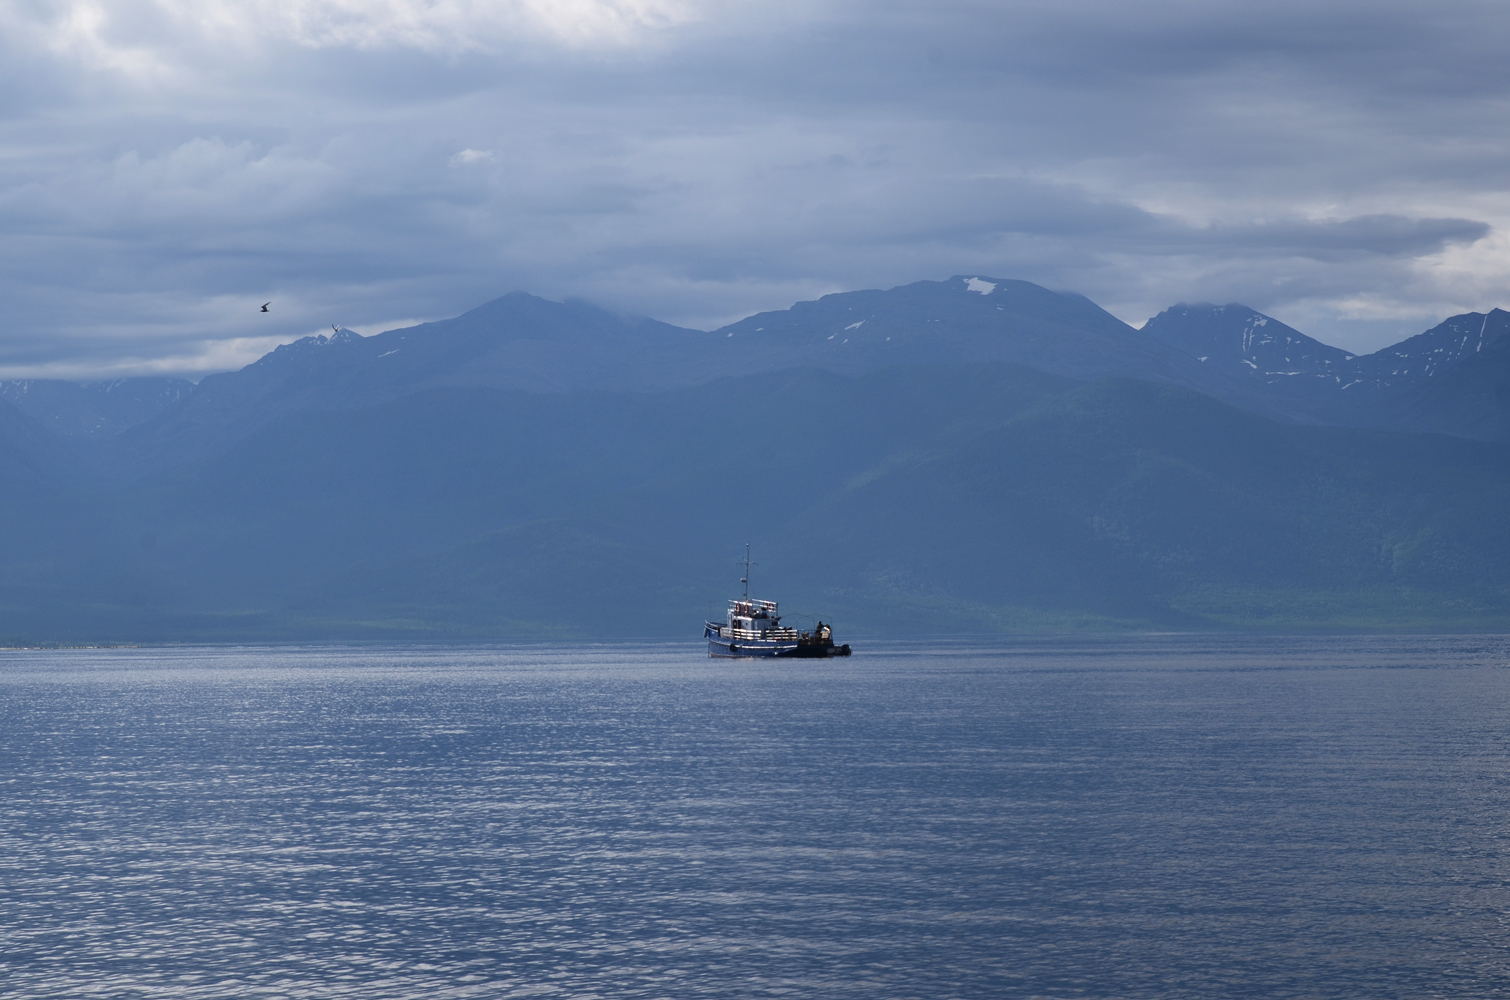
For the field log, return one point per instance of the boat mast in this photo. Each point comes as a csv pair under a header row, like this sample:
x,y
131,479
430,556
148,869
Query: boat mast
x,y
747,564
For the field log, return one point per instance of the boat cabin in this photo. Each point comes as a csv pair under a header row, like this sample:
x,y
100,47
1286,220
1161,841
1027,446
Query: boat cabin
x,y
754,616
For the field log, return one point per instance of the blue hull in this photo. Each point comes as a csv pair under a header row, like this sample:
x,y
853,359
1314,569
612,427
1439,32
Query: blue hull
x,y
748,647
718,645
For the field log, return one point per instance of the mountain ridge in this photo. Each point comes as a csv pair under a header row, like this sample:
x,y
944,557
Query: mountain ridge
x,y
521,341
524,342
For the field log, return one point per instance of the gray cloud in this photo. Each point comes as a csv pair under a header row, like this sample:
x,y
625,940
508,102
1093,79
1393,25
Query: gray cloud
x,y
164,172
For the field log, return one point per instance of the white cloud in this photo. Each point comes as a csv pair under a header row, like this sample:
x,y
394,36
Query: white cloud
x,y
81,29
469,156
192,361
148,38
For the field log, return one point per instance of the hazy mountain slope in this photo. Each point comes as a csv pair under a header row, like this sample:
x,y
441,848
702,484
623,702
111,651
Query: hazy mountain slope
x,y
30,454
917,499
1119,503
54,548
1133,501
318,492
94,409
1470,398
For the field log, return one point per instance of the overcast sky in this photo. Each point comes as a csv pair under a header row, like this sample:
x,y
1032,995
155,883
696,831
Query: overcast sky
x,y
168,165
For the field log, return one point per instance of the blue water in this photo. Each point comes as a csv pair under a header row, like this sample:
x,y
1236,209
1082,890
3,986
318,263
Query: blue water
x,y
1132,817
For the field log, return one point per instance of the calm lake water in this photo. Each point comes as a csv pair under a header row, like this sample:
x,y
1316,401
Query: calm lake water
x,y
1166,816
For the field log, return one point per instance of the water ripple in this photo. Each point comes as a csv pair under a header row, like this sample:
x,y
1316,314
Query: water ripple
x,y
1142,816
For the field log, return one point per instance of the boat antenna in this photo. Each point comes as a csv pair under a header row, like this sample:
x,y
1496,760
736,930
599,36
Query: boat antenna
x,y
747,564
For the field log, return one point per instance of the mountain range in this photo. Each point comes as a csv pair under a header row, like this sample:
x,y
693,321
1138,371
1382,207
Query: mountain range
x,y
977,454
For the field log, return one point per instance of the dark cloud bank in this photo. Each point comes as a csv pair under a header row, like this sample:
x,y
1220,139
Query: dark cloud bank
x,y
167,169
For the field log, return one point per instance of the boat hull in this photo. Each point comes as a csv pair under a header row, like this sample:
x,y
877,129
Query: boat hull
x,y
731,648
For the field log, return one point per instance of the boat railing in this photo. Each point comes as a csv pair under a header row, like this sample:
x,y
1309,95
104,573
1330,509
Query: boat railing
x,y
751,604
773,634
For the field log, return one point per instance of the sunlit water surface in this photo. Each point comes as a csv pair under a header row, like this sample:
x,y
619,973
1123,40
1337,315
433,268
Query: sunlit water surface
x,y
1107,817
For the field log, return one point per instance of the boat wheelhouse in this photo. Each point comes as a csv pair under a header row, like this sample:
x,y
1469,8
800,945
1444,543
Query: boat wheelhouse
x,y
753,628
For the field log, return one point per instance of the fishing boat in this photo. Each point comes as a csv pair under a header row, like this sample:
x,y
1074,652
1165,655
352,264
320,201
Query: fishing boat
x,y
753,628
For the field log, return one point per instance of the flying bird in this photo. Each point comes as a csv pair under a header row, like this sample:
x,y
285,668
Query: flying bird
x,y
265,305
335,327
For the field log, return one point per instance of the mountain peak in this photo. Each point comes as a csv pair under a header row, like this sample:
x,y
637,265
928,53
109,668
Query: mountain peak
x,y
310,343
1450,341
1244,341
